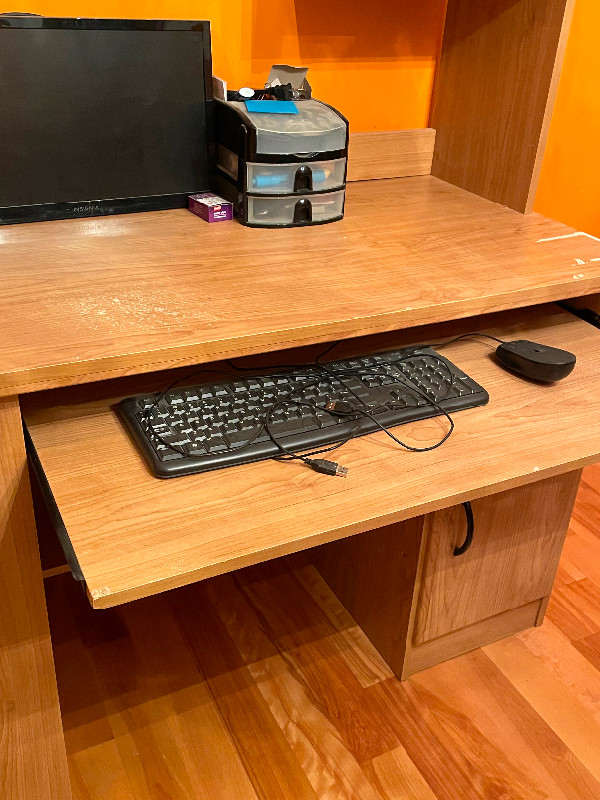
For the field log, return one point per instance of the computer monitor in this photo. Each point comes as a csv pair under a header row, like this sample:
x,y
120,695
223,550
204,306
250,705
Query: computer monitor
x,y
102,116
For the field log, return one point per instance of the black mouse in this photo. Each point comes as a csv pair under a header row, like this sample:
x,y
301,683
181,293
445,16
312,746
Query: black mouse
x,y
535,361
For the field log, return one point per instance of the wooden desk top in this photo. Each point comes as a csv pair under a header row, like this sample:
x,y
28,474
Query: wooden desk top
x,y
83,300
135,535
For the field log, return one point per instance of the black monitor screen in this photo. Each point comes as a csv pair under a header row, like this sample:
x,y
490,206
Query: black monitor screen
x,y
93,111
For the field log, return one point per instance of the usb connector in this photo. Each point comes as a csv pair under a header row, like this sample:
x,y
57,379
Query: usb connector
x,y
327,467
341,407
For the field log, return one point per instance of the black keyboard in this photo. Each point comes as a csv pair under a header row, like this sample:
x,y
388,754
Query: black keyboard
x,y
210,426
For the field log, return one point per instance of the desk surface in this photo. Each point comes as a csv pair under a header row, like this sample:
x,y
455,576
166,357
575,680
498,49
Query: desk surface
x,y
83,300
135,535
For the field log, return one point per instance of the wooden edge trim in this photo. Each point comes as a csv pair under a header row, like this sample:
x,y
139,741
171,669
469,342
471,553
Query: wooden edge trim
x,y
390,154
52,571
552,92
102,596
472,637
542,610
53,376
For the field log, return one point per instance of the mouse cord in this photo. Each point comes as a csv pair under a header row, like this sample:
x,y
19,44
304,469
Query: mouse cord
x,y
465,336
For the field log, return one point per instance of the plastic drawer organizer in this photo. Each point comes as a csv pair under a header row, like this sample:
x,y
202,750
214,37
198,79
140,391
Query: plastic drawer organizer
x,y
282,170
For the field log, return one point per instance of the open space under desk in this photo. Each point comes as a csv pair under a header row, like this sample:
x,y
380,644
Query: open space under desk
x,y
135,535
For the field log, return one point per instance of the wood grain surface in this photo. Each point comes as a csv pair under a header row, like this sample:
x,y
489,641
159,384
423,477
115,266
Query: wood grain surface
x,y
477,634
494,93
32,751
374,575
253,684
512,561
86,299
136,535
390,154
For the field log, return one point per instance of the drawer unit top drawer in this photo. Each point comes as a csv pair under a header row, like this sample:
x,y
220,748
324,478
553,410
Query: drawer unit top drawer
x,y
295,178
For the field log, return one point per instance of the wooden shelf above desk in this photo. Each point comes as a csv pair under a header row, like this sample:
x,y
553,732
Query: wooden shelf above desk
x,y
135,535
89,299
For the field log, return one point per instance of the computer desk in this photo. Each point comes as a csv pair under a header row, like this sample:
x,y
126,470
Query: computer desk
x,y
91,310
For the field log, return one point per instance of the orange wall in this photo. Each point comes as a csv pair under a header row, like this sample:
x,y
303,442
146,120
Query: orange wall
x,y
569,188
376,68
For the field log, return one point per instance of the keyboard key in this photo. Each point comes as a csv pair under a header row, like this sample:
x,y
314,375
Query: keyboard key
x,y
239,437
177,441
375,408
215,443
170,455
287,427
248,425
325,420
147,402
196,449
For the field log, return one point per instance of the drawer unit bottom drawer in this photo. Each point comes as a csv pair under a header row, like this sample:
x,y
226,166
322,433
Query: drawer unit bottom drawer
x,y
295,209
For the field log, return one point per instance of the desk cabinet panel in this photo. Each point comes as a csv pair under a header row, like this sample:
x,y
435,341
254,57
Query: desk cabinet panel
x,y
420,605
33,761
516,546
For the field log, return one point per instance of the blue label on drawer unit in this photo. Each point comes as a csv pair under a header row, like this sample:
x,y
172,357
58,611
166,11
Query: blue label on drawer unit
x,y
271,107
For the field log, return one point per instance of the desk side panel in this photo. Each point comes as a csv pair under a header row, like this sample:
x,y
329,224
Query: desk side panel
x,y
33,763
494,94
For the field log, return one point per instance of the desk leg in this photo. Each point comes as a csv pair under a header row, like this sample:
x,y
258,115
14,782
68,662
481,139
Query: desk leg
x,y
33,763
420,604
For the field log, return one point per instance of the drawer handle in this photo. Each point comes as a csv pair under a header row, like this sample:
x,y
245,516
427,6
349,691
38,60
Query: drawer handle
x,y
303,211
458,551
303,179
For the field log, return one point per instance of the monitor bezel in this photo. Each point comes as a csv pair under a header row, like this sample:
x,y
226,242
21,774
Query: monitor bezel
x,y
97,207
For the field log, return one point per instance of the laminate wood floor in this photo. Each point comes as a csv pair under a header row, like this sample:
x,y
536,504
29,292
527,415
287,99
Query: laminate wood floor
x,y
258,685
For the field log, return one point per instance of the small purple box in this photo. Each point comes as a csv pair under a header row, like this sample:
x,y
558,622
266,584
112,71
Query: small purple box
x,y
210,207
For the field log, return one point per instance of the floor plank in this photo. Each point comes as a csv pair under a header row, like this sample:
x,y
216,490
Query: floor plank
x,y
583,548
555,701
258,685
587,510
575,608
397,778
488,737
